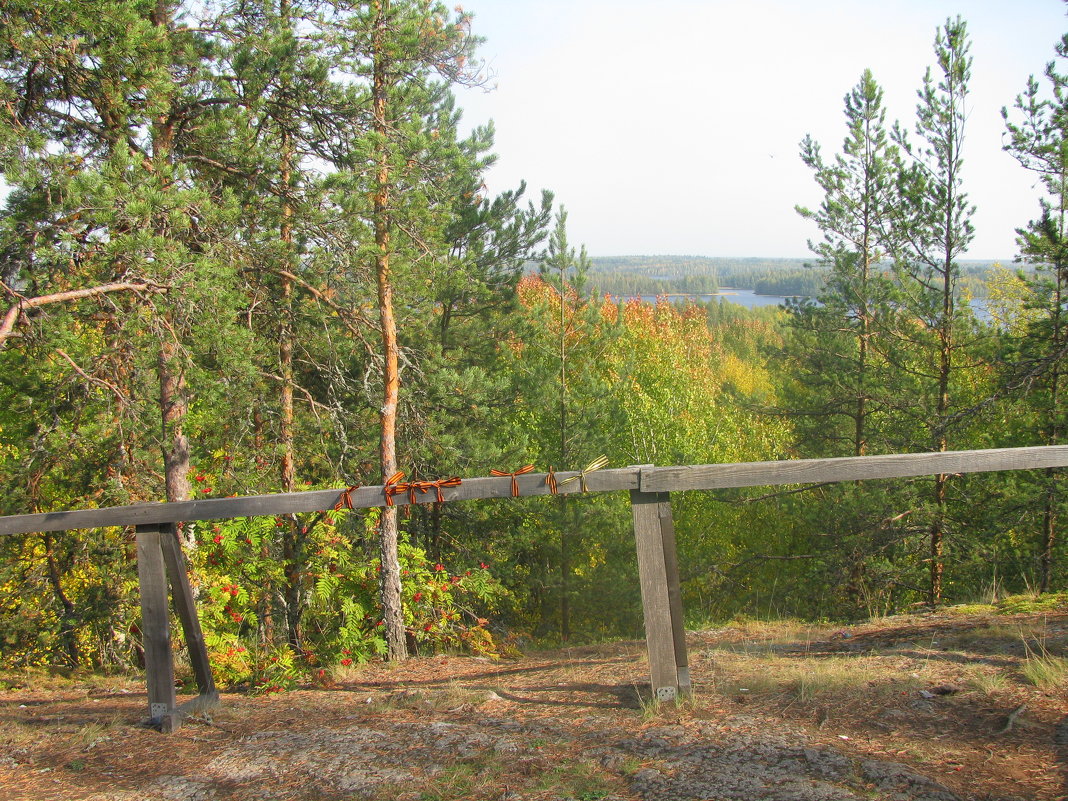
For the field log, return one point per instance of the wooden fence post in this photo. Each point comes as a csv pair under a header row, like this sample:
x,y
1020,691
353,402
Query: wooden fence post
x,y
155,630
654,535
185,606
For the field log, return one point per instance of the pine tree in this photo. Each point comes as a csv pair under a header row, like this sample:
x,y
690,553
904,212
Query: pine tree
x,y
836,355
934,226
566,273
841,351
407,52
100,128
284,113
1039,141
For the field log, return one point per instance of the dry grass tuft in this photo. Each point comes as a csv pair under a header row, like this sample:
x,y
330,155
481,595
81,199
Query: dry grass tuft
x,y
1045,671
987,681
92,734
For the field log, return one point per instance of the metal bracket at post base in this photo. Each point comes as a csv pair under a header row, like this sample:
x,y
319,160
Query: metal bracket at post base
x,y
162,718
168,720
157,711
665,694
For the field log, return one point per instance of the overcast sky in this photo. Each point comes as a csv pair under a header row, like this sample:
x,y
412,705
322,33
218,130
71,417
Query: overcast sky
x,y
673,127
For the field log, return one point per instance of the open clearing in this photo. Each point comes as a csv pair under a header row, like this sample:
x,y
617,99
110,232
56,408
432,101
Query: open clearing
x,y
938,707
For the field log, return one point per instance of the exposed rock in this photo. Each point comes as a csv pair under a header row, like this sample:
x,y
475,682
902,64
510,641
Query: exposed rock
x,y
902,783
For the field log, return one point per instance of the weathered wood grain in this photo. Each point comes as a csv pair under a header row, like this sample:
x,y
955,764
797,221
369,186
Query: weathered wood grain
x,y
298,502
852,468
656,604
155,630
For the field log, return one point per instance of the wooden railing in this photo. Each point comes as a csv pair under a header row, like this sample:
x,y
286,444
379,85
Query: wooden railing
x,y
159,556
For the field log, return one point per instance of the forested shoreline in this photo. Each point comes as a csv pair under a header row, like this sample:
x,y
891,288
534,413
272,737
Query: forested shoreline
x,y
248,249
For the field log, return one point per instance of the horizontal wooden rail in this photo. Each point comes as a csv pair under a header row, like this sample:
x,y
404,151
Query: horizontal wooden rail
x,y
646,479
850,468
309,501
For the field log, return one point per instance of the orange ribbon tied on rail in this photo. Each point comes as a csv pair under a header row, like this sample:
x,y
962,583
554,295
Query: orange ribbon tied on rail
x,y
515,484
394,487
425,487
344,500
550,479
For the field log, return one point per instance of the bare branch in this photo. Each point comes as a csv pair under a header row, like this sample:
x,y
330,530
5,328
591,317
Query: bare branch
x,y
218,165
11,318
312,402
93,379
345,314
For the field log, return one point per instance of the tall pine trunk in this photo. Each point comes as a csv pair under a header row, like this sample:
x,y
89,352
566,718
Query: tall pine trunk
x,y
173,408
860,434
945,367
392,613
1049,512
292,537
173,391
292,533
565,528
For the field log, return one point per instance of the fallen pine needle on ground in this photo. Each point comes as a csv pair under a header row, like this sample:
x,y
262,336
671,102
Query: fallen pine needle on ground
x,y
936,707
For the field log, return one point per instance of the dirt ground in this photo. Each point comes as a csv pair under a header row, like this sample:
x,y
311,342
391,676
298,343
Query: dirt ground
x,y
937,708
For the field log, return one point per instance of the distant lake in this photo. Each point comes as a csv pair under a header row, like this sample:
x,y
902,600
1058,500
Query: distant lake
x,y
751,300
743,297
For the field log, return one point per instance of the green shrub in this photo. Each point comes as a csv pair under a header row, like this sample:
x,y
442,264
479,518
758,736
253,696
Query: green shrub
x,y
241,580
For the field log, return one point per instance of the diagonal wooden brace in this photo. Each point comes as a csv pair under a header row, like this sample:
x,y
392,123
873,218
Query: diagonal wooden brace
x,y
159,555
185,607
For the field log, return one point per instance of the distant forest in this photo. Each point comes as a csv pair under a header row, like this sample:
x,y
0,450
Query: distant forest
x,y
698,275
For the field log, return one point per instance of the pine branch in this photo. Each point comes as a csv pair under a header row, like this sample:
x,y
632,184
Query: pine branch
x,y
344,314
93,379
11,318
